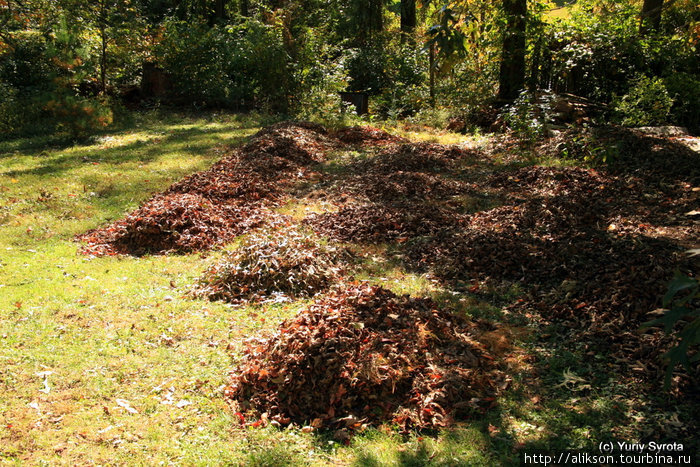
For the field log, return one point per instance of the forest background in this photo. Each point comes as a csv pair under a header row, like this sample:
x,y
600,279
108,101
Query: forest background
x,y
76,66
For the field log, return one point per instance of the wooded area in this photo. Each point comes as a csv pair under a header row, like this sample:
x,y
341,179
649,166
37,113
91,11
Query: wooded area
x,y
73,64
364,232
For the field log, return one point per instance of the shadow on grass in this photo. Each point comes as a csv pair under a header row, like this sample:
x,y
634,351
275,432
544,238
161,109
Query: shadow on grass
x,y
191,141
561,418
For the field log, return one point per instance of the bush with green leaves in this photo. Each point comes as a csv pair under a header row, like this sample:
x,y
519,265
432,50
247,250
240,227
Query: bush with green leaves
x,y
237,66
528,116
596,51
684,89
682,318
581,144
646,103
320,76
80,116
26,78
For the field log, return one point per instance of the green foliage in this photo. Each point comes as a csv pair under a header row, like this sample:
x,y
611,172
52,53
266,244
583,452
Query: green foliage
x,y
684,89
366,67
584,146
682,305
432,117
80,116
646,103
25,77
320,76
26,64
528,116
598,51
406,92
238,66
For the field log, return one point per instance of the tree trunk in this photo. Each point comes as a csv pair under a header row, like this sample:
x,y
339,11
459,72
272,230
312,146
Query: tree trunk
x,y
375,19
650,19
368,19
103,44
103,62
243,5
431,73
220,10
408,18
512,72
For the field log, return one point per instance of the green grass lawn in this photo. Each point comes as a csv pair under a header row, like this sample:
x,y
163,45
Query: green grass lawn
x,y
104,361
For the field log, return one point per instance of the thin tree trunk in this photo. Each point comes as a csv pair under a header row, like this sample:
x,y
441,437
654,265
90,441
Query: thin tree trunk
x,y
512,71
408,19
431,74
103,55
650,19
244,7
220,10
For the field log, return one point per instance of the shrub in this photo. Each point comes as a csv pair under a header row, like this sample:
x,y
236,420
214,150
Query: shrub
x,y
684,89
646,103
320,76
80,116
681,302
238,66
528,116
26,74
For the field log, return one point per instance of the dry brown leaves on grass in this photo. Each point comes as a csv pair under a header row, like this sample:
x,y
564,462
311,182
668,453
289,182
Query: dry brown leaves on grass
x,y
179,223
405,172
369,223
413,157
629,151
399,194
211,207
579,242
366,135
271,264
363,355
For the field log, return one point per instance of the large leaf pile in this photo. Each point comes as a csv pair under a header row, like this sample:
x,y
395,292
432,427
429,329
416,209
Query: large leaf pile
x,y
175,222
400,193
269,263
211,207
364,355
366,135
380,223
593,249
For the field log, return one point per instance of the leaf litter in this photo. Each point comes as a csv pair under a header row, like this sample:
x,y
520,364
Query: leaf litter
x,y
211,207
591,249
270,264
363,355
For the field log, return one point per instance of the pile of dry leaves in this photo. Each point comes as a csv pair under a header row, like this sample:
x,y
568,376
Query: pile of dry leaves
x,y
398,194
363,355
174,223
211,207
378,223
366,135
271,264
